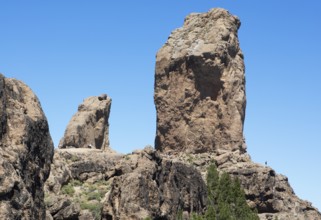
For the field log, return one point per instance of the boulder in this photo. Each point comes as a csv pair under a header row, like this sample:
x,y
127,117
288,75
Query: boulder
x,y
89,127
200,86
26,152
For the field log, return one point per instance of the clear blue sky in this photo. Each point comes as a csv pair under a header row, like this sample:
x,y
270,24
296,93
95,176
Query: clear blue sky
x,y
69,50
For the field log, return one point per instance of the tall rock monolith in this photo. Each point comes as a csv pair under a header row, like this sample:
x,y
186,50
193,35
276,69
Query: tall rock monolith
x,y
26,152
200,86
200,102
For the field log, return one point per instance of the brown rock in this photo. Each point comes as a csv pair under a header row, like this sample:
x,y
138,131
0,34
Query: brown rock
x,y
200,86
78,176
88,128
270,193
155,188
85,165
200,102
26,152
138,185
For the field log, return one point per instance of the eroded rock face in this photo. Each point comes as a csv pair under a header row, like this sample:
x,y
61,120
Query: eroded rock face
x,y
90,183
200,86
89,127
78,182
270,193
26,152
151,186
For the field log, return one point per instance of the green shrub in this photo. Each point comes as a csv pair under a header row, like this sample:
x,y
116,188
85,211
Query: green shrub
x,y
76,183
94,196
48,200
179,215
197,217
68,189
94,208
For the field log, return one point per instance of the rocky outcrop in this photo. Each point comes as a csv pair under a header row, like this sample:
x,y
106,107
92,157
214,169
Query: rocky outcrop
x,y
89,184
156,188
89,127
200,102
200,86
78,182
268,192
26,152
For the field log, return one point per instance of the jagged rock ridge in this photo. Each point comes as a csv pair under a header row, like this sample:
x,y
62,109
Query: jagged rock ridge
x,y
139,185
200,86
26,152
89,127
134,186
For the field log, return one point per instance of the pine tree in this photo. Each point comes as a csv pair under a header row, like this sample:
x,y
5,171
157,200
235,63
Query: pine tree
x,y
226,199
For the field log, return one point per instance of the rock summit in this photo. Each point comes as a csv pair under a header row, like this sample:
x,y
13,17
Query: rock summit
x,y
89,127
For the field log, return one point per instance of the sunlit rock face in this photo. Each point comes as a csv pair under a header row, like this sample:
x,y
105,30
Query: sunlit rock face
x,y
89,127
200,86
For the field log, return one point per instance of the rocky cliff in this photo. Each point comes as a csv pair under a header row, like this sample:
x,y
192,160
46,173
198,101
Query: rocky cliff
x,y
200,86
26,152
88,128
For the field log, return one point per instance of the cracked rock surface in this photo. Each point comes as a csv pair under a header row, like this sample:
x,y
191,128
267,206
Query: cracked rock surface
x,y
26,152
200,86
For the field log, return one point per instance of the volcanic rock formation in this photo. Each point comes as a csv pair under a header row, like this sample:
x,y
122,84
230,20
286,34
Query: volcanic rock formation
x,y
90,183
26,152
150,186
89,127
79,177
200,86
200,102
